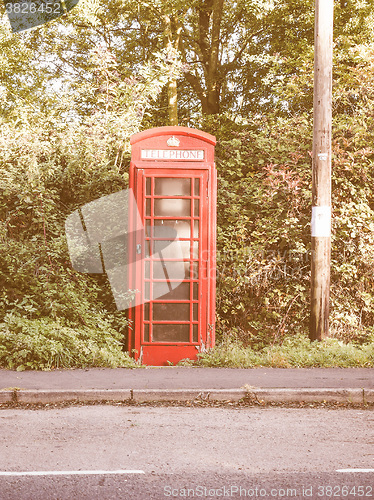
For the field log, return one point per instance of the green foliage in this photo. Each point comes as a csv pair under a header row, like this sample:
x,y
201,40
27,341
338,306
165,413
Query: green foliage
x,y
263,229
295,352
45,176
45,344
49,167
264,210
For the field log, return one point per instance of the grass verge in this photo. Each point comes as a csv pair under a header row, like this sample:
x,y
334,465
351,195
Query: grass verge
x,y
295,352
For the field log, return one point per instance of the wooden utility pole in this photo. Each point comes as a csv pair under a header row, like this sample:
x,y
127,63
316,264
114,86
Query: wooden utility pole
x,y
321,175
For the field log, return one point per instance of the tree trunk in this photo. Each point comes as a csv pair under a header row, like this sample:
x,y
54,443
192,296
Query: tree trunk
x,y
172,31
210,19
213,82
173,102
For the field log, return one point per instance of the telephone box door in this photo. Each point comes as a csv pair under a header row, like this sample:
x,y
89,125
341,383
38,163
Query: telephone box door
x,y
173,283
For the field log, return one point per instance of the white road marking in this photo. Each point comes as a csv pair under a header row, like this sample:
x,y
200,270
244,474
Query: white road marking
x,y
69,472
355,470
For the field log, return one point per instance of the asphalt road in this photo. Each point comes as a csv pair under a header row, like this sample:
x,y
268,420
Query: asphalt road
x,y
175,452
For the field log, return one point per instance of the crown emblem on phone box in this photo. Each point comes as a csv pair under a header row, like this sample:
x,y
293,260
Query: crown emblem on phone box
x,y
173,142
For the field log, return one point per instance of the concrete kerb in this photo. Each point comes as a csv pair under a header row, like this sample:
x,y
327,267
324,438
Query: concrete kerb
x,y
59,396
6,396
281,395
312,395
140,395
368,395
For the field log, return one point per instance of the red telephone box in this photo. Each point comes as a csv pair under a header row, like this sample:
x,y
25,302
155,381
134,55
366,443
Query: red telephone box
x,y
173,177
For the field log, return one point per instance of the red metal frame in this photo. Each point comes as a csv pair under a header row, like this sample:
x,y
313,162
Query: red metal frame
x,y
201,308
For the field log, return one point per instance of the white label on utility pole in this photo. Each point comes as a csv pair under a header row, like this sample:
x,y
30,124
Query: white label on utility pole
x,y
322,156
321,221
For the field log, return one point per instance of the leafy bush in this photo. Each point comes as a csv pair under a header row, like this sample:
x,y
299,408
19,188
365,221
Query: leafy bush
x,y
46,344
263,230
295,352
264,211
50,167
44,179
